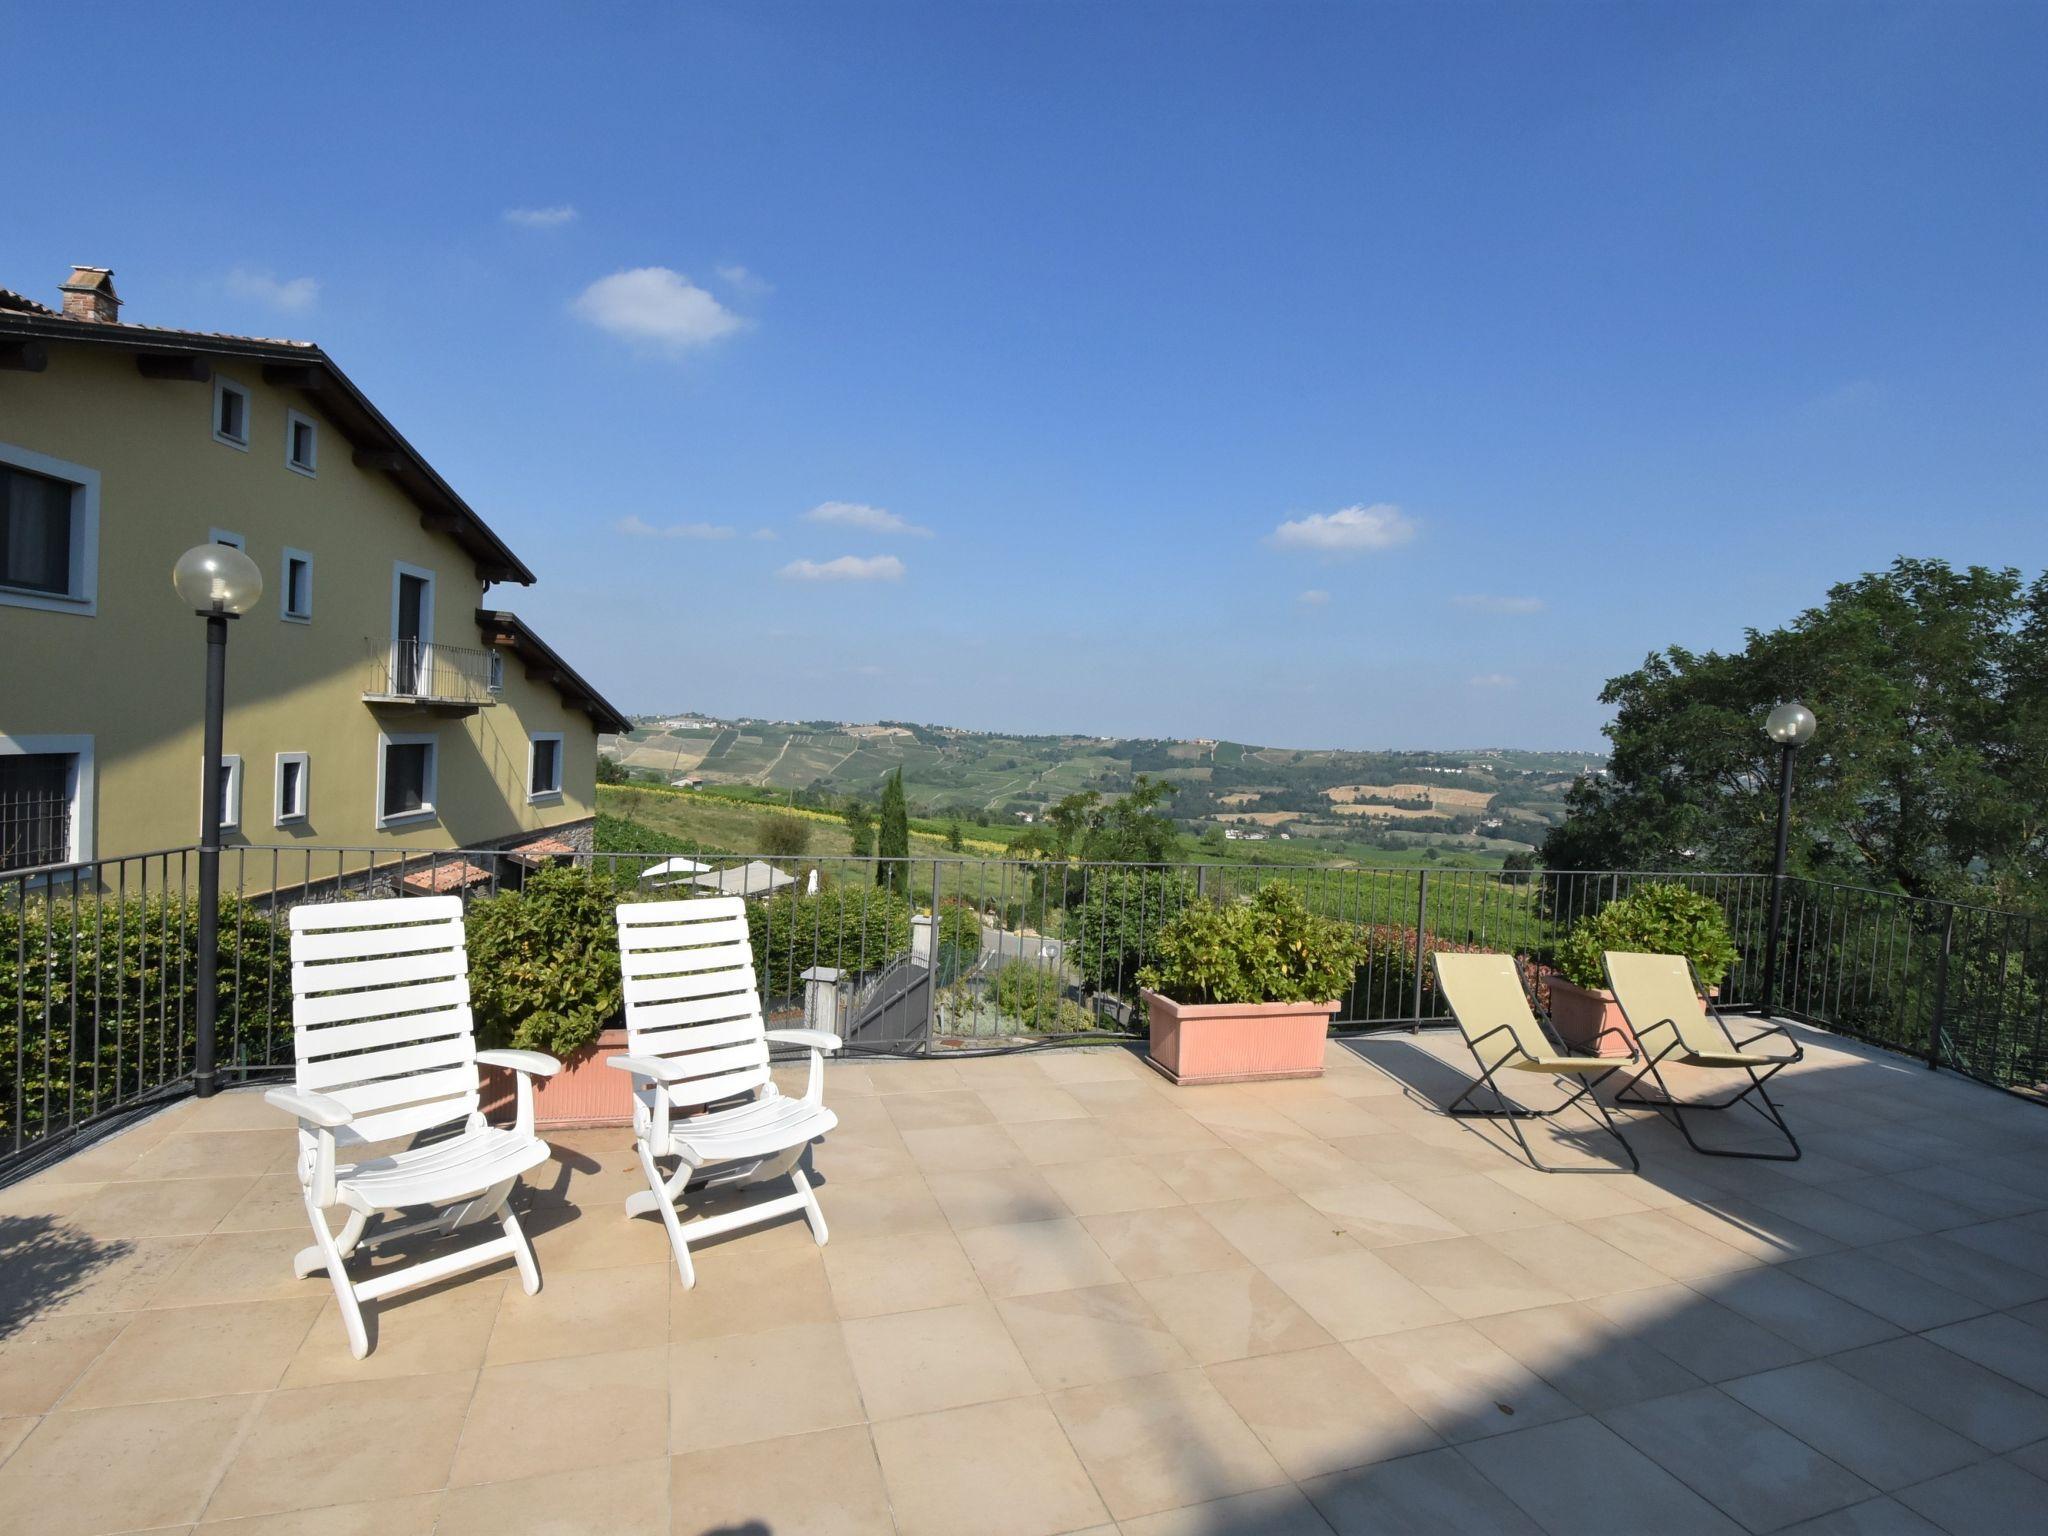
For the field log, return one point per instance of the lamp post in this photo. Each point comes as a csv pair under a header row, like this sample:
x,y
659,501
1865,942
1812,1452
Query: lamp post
x,y
1791,725
219,582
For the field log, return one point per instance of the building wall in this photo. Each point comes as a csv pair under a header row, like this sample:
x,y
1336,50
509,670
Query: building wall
x,y
132,675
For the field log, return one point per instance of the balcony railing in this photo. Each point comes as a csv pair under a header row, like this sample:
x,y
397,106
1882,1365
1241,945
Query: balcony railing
x,y
99,965
422,674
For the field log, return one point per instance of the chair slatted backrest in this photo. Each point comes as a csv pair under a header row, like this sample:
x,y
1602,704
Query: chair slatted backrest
x,y
691,996
380,1012
1652,988
1485,992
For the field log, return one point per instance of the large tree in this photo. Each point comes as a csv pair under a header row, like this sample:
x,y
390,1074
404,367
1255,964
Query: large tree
x,y
1929,773
1127,830
892,841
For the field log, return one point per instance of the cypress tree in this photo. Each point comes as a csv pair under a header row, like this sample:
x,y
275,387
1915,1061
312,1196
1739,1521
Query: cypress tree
x,y
892,845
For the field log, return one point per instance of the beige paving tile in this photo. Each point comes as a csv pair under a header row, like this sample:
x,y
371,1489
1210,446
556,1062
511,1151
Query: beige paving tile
x,y
14,1429
1300,1163
1158,1442
582,1312
1768,1236
1146,1245
1817,1320
1037,1256
1667,1244
620,1499
591,1234
160,1207
1876,1437
1585,1357
1008,1470
1568,1197
1460,1383
240,1266
764,1277
1357,1295
1469,1277
1379,1214
407,1515
1063,1141
1578,1475
1092,1066
877,1275
185,1352
1991,1496
881,1207
828,1483
1737,1460
1435,1493
893,1077
119,1469
1899,1297
1212,1174
759,1386
1144,1129
1229,1314
1571,1260
1697,1333
1080,1337
215,1154
1236,1114
1016,1104
542,1416
955,1149
1958,1393
1281,1511
937,1111
1333,1116
996,1197
314,1446
1478,1204
1402,1159
427,1332
1983,1276
943,1357
39,1362
275,1200
1320,1410
1277,1228
2014,1349
1109,1184
848,1161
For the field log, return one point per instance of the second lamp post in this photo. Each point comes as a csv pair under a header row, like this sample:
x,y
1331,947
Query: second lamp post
x,y
1791,725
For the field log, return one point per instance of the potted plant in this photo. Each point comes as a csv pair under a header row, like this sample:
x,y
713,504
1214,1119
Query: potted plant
x,y
1242,992
544,976
1663,918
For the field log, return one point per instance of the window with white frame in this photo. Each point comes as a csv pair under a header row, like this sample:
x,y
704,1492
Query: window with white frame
x,y
301,443
495,671
49,532
544,766
294,787
46,800
230,413
228,787
405,779
295,589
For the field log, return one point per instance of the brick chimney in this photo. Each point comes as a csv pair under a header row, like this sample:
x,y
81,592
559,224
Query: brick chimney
x,y
89,295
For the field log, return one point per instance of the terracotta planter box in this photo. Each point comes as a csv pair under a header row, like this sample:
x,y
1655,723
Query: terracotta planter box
x,y
1236,1042
1580,1013
584,1092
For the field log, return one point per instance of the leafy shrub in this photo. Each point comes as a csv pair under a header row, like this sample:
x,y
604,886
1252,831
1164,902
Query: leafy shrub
x,y
107,991
1269,949
1117,923
1037,998
852,927
782,836
1385,984
544,962
1662,918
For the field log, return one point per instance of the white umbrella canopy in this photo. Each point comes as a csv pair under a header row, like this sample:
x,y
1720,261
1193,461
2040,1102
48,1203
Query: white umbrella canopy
x,y
672,871
754,878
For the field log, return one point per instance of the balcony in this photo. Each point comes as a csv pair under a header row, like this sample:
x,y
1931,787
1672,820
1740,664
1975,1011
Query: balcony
x,y
416,675
1061,1294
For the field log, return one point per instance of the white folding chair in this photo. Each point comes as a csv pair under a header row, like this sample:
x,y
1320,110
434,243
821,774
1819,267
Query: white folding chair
x,y
698,1052
386,1050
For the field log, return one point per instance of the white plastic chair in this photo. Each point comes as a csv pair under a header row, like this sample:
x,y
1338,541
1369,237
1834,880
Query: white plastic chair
x,y
386,1049
695,1039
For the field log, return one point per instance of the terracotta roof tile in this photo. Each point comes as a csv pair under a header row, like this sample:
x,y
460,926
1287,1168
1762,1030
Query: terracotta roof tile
x,y
444,875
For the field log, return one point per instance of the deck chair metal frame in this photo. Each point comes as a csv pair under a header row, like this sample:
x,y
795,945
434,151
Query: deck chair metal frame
x,y
703,1093
385,1050
1673,1028
1527,1038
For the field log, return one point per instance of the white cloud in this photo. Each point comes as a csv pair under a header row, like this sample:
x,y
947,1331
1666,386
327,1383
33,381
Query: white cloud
x,y
541,218
657,305
1493,680
845,568
1314,597
1480,602
854,514
267,289
765,535
1348,531
741,280
640,528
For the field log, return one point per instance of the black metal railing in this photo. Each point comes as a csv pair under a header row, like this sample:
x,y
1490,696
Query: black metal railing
x,y
98,962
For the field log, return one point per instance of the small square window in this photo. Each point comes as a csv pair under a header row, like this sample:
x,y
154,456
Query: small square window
x,y
228,787
293,783
405,779
301,443
295,591
230,413
544,767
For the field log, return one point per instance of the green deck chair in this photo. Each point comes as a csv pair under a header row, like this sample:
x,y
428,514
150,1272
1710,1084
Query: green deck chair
x,y
1661,998
1487,998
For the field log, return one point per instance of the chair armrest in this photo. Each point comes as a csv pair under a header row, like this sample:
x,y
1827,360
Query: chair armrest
x,y
538,1063
816,1039
653,1068
313,1108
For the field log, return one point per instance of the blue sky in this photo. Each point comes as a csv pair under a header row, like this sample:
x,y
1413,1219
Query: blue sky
x,y
1106,337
